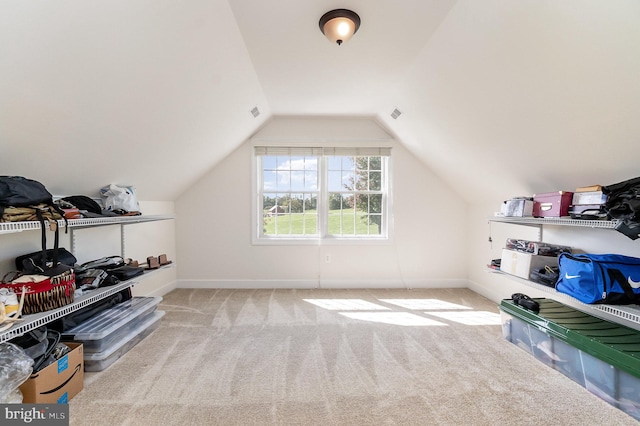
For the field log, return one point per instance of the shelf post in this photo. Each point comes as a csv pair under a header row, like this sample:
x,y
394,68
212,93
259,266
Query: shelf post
x,y
122,243
72,236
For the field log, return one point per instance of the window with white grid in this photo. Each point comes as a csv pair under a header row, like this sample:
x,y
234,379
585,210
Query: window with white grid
x,y
321,193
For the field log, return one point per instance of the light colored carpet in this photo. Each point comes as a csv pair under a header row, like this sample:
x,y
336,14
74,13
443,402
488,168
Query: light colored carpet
x,y
261,357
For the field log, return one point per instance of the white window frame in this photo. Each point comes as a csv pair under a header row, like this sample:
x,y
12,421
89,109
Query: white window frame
x,y
322,236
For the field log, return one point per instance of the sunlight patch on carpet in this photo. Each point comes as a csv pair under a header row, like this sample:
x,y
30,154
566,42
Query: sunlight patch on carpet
x,y
346,305
393,318
424,304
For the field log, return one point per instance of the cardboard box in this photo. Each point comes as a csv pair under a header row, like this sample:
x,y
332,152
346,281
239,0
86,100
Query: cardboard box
x,y
552,204
589,188
517,207
591,197
58,382
521,264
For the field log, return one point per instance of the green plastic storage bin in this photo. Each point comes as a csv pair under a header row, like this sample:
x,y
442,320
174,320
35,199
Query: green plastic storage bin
x,y
602,356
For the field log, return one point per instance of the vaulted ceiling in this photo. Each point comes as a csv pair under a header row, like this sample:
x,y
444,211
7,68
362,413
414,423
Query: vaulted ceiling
x,y
498,98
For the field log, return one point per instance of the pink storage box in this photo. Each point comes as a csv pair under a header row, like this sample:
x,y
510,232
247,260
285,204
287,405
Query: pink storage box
x,y
552,204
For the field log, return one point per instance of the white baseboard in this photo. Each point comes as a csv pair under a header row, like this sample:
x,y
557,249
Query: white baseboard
x,y
484,291
302,284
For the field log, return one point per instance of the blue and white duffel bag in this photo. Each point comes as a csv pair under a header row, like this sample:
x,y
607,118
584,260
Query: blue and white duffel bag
x,y
600,278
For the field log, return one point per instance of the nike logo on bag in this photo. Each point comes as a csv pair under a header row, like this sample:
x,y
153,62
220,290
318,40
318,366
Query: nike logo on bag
x,y
567,276
632,283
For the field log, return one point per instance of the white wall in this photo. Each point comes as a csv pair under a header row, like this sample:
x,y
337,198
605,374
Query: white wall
x,y
214,225
497,286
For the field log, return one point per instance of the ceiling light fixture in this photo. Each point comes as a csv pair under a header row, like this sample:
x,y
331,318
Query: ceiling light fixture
x,y
339,25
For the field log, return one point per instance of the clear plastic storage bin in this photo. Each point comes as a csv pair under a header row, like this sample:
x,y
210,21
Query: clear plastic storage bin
x,y
108,327
100,360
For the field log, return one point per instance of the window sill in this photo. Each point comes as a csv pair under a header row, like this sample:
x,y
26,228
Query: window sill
x,y
320,241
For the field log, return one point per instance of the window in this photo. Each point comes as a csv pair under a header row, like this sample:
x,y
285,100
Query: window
x,y
321,193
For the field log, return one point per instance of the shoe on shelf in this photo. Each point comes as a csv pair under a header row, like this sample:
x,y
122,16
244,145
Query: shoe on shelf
x,y
152,262
131,262
163,260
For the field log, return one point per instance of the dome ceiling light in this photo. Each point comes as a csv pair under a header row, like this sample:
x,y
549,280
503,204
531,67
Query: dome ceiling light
x,y
339,25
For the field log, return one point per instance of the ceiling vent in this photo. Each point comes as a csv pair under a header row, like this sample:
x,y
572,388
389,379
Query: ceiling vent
x,y
395,114
255,112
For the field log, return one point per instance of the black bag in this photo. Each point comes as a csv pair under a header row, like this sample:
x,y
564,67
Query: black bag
x,y
39,344
33,342
623,203
105,263
82,202
18,191
49,262
126,272
32,263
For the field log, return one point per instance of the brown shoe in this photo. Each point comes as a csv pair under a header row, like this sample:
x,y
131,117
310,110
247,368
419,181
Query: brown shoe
x,y
152,262
163,260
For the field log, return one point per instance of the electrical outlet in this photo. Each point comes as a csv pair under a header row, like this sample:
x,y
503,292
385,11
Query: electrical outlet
x,y
327,258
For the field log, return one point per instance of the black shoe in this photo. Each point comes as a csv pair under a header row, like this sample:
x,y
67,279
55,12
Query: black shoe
x,y
525,301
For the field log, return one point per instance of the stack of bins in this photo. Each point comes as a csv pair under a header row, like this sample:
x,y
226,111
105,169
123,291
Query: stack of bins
x,y
602,356
113,332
